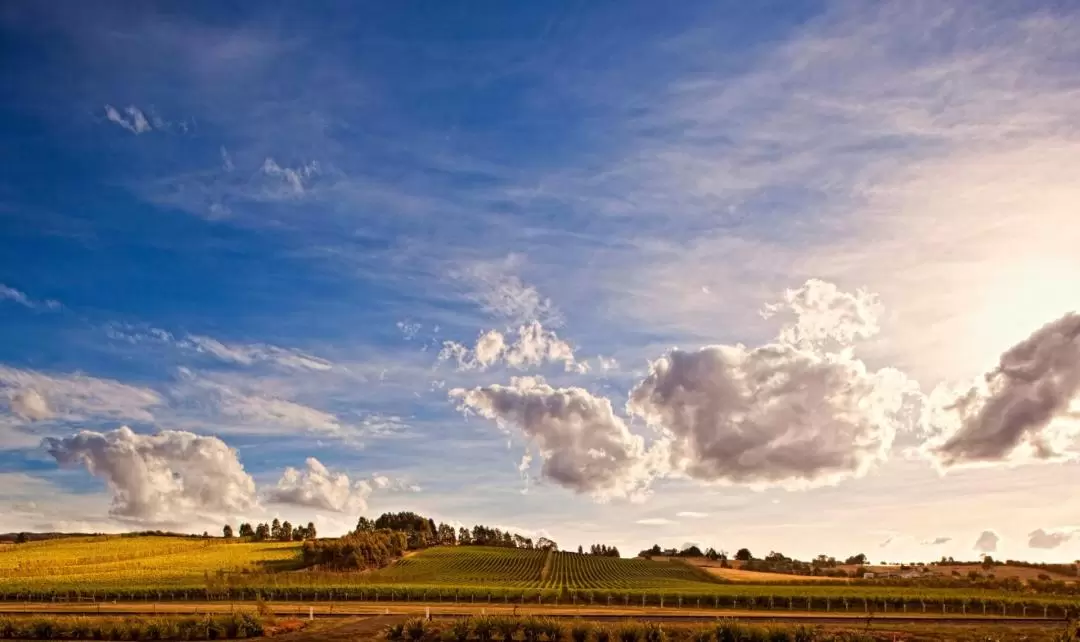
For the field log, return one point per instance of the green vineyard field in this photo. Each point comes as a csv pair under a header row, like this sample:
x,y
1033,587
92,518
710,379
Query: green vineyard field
x,y
165,569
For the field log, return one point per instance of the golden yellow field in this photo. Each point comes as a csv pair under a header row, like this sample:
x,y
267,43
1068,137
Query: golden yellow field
x,y
739,575
88,563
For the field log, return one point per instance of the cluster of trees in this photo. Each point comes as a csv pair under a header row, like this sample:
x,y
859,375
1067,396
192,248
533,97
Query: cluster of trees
x,y
275,531
422,532
356,551
600,550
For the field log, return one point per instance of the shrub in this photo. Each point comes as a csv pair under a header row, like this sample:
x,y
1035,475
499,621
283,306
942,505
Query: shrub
x,y
416,629
394,632
579,631
629,632
460,629
484,627
554,630
700,634
603,634
507,627
532,628
653,632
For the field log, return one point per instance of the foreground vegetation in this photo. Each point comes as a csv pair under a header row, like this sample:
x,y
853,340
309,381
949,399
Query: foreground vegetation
x,y
537,629
219,627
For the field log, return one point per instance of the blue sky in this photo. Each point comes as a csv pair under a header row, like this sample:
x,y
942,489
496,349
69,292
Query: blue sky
x,y
621,272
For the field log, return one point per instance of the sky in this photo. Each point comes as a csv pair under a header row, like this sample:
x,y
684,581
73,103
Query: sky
x,y
795,276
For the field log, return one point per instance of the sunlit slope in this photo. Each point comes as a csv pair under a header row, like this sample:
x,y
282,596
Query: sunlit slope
x,y
514,568
88,563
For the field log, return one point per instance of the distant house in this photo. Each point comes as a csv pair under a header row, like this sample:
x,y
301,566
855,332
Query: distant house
x,y
868,576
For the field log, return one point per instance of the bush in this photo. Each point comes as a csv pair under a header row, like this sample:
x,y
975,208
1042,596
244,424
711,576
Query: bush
x,y
394,632
629,632
554,630
653,632
579,631
506,627
416,629
533,628
484,627
603,634
700,634
460,629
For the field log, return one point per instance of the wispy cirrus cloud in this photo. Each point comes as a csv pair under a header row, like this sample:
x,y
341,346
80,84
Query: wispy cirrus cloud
x,y
11,294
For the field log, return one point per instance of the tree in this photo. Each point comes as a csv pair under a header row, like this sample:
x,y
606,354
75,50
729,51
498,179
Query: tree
x,y
691,551
262,533
22,538
546,544
311,533
859,559
464,536
246,530
743,555
285,534
227,532
364,525
581,551
275,529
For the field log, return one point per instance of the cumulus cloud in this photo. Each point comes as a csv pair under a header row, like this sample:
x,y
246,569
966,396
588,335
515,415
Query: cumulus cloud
x,y
532,347
691,514
824,314
29,404
135,121
252,353
160,478
296,179
33,395
987,542
316,487
793,413
1048,539
583,445
937,541
1023,410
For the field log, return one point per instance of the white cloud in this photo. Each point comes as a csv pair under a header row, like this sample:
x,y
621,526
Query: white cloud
x,y
583,445
1025,409
532,347
226,160
74,397
317,487
691,514
409,329
29,404
249,354
135,122
655,521
1049,539
296,179
987,542
161,478
11,294
501,293
787,414
937,541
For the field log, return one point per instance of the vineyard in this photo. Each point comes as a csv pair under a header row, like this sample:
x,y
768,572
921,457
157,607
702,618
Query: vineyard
x,y
106,562
166,569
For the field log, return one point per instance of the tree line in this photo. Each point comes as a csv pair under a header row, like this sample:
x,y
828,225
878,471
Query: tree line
x,y
276,531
